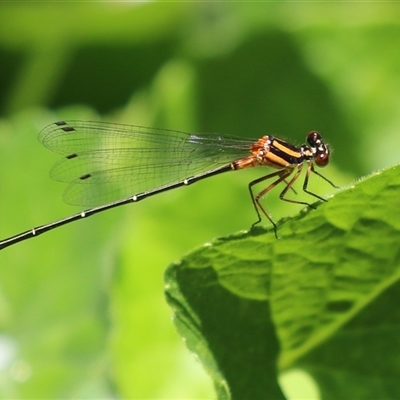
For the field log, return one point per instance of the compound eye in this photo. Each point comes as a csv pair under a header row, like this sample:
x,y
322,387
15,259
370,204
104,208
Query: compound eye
x,y
313,138
322,158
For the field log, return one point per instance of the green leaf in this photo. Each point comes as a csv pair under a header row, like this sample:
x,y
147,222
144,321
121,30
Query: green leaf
x,y
319,298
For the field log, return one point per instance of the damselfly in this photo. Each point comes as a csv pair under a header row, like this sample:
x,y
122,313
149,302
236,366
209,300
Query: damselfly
x,y
108,165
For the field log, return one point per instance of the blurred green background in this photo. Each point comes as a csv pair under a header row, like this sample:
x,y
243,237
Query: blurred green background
x,y
82,313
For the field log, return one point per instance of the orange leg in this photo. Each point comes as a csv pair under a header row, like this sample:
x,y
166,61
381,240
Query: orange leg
x,y
290,184
310,169
282,174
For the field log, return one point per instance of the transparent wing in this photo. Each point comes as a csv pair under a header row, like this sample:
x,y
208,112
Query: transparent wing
x,y
104,162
